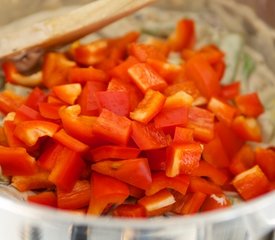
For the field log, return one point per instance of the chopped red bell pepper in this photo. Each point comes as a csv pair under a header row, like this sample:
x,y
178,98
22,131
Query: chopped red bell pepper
x,y
182,158
30,131
147,137
67,169
183,135
156,159
68,93
44,198
243,160
145,77
230,91
83,75
223,111
139,168
113,152
265,158
204,76
215,201
105,190
249,105
160,181
68,141
15,161
172,117
130,211
117,102
177,100
198,184
112,127
35,97
149,107
158,203
77,198
10,102
50,110
25,113
251,183
247,129
12,140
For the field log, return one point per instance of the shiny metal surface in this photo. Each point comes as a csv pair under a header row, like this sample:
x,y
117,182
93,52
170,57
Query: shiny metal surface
x,y
249,221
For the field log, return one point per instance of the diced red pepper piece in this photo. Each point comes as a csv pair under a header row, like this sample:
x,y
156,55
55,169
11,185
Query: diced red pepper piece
x,y
13,76
212,54
230,141
112,127
136,192
106,190
143,52
87,99
215,201
35,97
36,181
113,152
172,117
25,113
139,168
215,154
177,100
68,141
158,203
182,158
204,76
198,184
160,181
230,91
149,107
83,75
251,183
15,161
10,102
184,35
49,155
243,160
183,135
77,198
218,176
247,129
12,140
265,158
68,93
55,69
145,77
130,211
219,68
92,53
117,102
249,105
30,131
156,159
3,138
202,122
78,126
44,198
147,137
67,169
223,111
50,110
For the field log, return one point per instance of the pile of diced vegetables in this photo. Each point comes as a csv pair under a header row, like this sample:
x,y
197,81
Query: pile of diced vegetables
x,y
113,127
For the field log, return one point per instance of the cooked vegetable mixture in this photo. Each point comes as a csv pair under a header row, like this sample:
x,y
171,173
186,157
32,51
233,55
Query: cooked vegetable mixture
x,y
117,126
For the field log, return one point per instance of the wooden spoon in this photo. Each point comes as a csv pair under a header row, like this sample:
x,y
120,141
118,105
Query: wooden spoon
x,y
60,30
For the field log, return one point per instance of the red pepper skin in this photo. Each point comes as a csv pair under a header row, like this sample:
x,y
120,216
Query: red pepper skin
x,y
230,91
50,110
10,102
15,161
198,184
105,190
83,75
130,211
132,171
183,135
145,77
215,201
44,198
147,137
78,197
25,113
30,131
251,183
35,97
158,203
160,181
68,93
265,158
113,128
12,140
249,105
156,159
182,158
113,152
243,160
115,101
172,117
67,169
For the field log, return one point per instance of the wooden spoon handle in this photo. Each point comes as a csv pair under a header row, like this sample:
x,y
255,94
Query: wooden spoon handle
x,y
67,28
